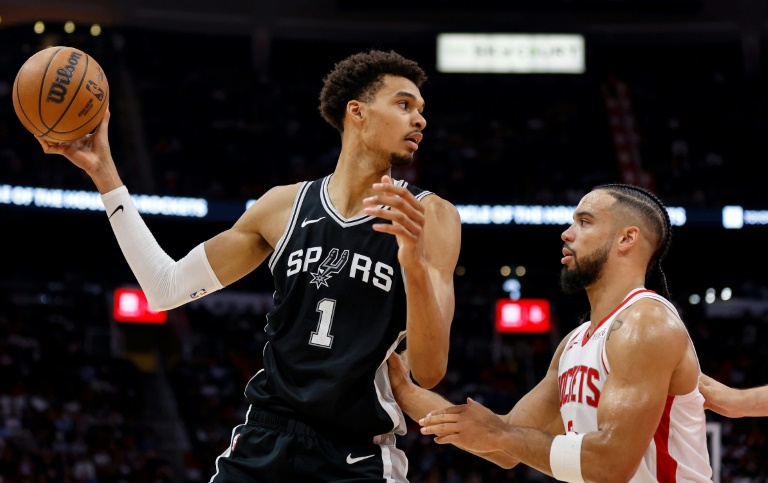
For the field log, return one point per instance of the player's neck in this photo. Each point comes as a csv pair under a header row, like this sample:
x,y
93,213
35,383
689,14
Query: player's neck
x,y
350,184
607,293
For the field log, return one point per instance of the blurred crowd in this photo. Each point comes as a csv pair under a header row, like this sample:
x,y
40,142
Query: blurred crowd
x,y
225,128
72,411
190,124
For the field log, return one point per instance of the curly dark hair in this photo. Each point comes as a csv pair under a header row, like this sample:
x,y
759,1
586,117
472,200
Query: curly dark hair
x,y
360,76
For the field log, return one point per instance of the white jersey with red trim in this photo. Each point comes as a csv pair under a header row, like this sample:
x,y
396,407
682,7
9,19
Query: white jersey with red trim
x,y
678,451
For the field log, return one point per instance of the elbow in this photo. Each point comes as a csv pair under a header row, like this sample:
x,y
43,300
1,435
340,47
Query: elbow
x,y
611,474
153,304
616,469
429,377
428,365
157,305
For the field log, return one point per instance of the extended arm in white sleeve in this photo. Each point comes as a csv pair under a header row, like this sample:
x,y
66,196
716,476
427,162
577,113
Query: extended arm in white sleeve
x,y
166,283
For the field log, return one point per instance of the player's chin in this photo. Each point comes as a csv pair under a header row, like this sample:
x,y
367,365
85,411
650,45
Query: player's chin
x,y
401,159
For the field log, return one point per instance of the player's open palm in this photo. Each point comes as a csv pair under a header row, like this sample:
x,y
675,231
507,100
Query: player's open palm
x,y
90,152
407,216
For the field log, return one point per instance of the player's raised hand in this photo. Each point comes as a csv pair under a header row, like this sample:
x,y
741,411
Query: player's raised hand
x,y
406,214
90,152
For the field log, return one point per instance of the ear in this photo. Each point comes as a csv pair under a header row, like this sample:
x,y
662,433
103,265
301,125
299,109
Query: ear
x,y
355,110
628,238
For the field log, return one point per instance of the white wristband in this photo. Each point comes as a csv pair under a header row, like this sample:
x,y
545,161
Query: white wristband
x,y
565,457
165,282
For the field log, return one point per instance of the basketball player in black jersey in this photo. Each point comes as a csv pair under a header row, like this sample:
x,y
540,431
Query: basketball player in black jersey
x,y
360,262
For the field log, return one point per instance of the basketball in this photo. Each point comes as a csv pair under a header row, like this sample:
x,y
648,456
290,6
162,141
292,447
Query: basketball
x,y
60,94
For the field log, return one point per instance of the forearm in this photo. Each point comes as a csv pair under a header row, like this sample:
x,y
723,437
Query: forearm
x,y
427,327
417,402
525,445
165,282
747,402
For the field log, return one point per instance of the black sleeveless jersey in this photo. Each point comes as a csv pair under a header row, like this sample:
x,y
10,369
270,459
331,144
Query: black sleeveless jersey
x,y
340,311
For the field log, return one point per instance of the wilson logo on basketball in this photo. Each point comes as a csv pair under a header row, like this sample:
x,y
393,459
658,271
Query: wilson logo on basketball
x,y
58,90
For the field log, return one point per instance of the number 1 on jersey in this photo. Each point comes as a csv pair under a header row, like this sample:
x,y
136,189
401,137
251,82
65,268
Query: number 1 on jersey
x,y
321,337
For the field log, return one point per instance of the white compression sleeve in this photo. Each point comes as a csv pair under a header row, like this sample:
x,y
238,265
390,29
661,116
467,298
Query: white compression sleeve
x,y
165,282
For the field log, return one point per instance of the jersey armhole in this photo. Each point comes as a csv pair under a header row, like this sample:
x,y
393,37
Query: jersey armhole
x,y
297,201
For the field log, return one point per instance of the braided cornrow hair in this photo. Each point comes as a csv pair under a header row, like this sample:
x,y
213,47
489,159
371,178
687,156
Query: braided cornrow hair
x,y
650,207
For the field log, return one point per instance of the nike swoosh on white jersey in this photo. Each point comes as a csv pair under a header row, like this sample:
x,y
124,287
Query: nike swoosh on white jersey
x,y
351,460
309,222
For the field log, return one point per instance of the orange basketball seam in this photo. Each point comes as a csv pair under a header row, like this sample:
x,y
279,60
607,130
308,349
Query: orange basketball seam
x,y
40,94
74,96
21,106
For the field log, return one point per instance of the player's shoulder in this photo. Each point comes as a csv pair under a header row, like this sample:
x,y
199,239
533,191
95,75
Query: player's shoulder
x,y
652,310
648,331
273,206
269,214
439,207
649,320
280,195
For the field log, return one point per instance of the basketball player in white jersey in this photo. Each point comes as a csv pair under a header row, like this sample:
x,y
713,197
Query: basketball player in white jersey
x,y
620,401
732,402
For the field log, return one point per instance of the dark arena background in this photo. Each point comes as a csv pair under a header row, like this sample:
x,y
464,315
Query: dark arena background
x,y
215,102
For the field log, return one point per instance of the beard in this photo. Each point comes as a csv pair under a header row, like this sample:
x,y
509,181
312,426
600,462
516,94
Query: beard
x,y
584,273
400,159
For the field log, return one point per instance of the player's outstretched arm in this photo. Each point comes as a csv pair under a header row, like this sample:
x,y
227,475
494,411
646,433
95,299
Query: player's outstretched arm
x,y
429,237
731,402
642,355
416,402
474,428
207,267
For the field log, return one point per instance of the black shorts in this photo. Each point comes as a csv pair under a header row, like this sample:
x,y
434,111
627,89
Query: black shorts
x,y
272,448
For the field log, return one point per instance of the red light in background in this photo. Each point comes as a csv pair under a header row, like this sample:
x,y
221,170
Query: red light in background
x,y
523,315
130,305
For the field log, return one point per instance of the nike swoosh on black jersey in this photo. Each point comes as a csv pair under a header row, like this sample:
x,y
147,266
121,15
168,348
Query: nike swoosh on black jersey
x,y
309,222
119,208
351,460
